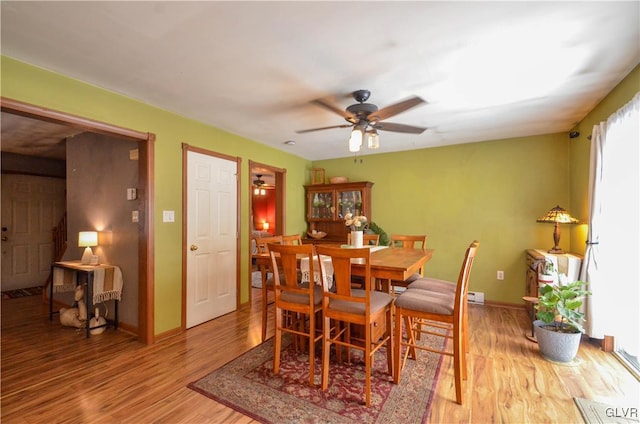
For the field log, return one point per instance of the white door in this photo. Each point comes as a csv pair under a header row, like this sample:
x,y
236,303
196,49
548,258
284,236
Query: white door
x,y
211,237
31,207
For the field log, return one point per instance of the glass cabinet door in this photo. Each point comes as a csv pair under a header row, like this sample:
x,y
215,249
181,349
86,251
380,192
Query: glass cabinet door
x,y
350,202
321,205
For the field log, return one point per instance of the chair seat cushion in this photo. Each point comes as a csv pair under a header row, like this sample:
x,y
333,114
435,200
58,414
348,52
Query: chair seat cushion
x,y
379,300
433,284
303,299
426,301
409,280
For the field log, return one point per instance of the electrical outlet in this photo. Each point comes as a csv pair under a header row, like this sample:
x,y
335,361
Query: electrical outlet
x,y
500,275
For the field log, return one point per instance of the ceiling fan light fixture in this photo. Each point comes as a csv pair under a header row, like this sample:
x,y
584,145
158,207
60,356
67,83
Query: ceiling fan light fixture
x,y
366,118
373,140
258,184
355,141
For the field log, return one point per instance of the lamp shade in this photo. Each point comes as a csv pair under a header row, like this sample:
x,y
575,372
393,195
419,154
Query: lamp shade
x,y
373,140
557,216
87,238
355,141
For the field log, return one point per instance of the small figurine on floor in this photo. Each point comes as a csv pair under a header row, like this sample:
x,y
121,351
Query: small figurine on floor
x,y
97,321
75,317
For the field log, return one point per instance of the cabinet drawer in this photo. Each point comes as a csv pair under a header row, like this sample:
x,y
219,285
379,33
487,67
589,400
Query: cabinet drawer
x,y
378,329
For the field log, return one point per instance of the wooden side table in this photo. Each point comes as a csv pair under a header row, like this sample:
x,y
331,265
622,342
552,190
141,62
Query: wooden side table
x,y
88,271
567,263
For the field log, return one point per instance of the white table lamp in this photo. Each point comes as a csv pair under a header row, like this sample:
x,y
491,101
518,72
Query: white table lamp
x,y
87,239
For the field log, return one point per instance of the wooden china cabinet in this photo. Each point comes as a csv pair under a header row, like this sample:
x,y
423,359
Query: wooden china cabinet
x,y
327,204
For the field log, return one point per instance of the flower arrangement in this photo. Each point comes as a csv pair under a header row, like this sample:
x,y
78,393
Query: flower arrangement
x,y
356,223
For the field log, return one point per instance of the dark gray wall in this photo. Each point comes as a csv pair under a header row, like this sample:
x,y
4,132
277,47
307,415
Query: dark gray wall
x,y
99,172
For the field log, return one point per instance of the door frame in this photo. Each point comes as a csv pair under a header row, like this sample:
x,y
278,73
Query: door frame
x,y
280,200
238,160
146,141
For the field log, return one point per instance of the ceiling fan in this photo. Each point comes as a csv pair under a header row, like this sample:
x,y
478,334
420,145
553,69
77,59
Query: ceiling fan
x,y
366,118
259,182
259,185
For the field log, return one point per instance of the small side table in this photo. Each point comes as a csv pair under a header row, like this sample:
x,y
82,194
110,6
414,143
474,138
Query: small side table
x,y
88,271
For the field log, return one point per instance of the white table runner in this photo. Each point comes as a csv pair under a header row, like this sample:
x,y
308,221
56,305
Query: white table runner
x,y
327,270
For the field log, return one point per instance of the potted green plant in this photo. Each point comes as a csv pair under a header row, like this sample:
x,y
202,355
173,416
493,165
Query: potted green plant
x,y
384,237
559,325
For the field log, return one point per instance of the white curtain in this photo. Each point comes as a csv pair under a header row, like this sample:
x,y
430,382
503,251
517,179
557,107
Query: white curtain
x,y
611,265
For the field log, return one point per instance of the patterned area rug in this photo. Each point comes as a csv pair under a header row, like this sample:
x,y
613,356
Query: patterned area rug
x,y
248,385
31,291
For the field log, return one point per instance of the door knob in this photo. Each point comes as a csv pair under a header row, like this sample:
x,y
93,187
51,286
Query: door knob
x,y
193,247
4,238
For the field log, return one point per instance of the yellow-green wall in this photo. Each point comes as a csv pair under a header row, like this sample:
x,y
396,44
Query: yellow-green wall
x,y
33,85
492,191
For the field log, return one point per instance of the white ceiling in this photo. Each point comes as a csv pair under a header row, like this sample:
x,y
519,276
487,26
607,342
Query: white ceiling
x,y
488,70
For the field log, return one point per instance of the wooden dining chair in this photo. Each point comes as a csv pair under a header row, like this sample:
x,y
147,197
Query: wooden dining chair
x,y
366,308
424,308
407,242
368,239
301,302
267,282
295,239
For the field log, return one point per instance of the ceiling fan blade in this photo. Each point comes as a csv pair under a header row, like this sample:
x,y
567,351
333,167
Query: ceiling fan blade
x,y
401,128
324,128
394,109
345,114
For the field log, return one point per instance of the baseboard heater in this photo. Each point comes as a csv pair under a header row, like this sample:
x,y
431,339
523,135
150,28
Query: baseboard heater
x,y
476,297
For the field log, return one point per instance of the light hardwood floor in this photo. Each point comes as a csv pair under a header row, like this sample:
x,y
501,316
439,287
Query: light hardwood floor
x,y
53,374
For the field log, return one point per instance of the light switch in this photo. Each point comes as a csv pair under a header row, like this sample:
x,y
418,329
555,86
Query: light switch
x,y
132,194
135,216
168,216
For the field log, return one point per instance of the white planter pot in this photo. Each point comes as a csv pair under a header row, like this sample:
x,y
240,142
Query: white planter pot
x,y
545,279
356,238
556,346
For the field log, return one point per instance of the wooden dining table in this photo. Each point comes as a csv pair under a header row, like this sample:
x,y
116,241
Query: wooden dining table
x,y
390,263
387,263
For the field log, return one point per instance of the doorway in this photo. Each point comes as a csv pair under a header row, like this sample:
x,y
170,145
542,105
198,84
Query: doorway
x,y
145,142
31,206
210,248
266,204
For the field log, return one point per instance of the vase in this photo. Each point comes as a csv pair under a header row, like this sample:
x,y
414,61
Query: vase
x,y
356,238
